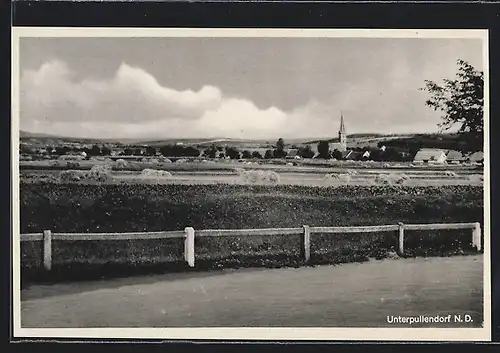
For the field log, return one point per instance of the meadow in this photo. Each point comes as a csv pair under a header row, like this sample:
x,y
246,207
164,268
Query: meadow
x,y
141,207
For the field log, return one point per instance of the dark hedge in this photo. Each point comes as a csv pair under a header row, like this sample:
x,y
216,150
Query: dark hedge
x,y
127,208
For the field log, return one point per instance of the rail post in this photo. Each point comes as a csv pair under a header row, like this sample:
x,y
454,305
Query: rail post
x,y
306,243
189,246
401,241
47,249
476,236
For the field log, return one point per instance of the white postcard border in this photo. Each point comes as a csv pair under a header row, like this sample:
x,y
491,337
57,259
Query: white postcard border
x,y
244,333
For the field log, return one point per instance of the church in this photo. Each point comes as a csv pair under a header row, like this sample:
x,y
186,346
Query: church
x,y
342,144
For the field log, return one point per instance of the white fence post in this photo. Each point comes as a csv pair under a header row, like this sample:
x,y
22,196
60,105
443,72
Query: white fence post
x,y
476,236
189,246
306,243
47,249
401,241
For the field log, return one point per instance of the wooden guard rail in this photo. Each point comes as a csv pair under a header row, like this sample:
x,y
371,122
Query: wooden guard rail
x,y
189,236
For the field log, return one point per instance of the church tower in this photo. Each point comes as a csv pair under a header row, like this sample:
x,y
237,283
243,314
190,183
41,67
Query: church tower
x,y
342,133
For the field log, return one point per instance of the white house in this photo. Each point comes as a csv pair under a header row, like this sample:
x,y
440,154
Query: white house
x,y
292,153
476,157
430,155
454,157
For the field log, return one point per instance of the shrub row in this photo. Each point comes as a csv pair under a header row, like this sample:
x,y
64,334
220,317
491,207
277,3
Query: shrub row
x,y
127,208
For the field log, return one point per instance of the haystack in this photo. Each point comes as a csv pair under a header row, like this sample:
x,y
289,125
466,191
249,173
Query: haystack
x,y
121,163
153,173
392,178
67,176
259,177
382,179
100,173
400,178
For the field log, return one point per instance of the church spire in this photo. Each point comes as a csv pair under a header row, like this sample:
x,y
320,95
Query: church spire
x,y
342,133
342,126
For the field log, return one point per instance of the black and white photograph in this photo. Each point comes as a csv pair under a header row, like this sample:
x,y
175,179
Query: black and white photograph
x,y
251,183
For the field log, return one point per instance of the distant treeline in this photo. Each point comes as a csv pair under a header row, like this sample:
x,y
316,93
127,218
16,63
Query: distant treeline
x,y
399,149
470,142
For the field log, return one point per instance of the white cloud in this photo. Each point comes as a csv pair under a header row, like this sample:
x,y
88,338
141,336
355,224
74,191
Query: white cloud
x,y
133,103
132,95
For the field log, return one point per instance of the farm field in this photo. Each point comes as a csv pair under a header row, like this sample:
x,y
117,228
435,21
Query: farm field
x,y
349,295
302,165
306,176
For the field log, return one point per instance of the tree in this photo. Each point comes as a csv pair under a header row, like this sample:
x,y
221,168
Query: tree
x,y
232,152
166,150
337,154
60,151
305,152
461,102
25,149
279,153
191,151
94,151
105,151
246,154
376,155
324,149
256,154
280,149
269,154
150,151
211,152
280,145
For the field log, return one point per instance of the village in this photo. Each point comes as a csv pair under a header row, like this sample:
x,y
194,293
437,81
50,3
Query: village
x,y
340,150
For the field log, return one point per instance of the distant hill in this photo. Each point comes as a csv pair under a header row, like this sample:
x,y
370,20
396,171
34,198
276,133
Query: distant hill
x,y
447,141
362,139
36,135
372,140
26,134
450,141
197,141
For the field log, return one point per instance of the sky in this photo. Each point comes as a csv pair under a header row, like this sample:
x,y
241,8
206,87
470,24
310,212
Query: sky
x,y
248,88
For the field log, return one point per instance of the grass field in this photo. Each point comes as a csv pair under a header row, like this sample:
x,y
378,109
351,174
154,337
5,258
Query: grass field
x,y
291,172
348,295
127,208
136,207
285,178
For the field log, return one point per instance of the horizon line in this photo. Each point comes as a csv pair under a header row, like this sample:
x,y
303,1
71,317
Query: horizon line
x,y
157,138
